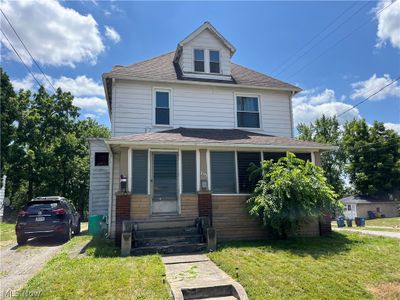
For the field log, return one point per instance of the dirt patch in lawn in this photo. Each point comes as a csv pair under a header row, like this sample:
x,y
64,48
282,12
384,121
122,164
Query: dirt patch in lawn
x,y
385,291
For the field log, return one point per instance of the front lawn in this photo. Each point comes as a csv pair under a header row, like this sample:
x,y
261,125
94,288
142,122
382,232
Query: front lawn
x,y
99,273
7,232
390,222
342,266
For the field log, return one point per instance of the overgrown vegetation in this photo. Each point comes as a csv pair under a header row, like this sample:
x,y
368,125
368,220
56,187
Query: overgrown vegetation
x,y
44,149
342,266
368,155
291,192
97,272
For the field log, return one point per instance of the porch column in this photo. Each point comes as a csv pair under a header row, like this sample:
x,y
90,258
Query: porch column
x,y
122,213
204,194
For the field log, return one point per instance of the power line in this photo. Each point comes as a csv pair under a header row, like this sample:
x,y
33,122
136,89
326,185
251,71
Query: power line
x,y
369,97
337,43
27,50
16,52
324,37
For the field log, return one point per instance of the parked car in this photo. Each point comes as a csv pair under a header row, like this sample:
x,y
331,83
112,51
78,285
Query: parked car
x,y
47,216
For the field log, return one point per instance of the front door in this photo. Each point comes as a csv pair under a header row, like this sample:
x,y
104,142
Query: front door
x,y
164,183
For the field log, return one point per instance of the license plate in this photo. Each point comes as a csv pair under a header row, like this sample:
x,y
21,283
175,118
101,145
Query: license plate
x,y
39,219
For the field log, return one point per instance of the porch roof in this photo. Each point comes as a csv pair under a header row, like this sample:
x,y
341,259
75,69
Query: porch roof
x,y
215,137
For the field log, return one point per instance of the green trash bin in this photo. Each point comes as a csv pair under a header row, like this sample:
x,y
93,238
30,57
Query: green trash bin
x,y
95,224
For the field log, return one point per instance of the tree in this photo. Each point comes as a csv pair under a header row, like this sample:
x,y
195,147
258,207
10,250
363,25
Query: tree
x,y
327,130
291,192
373,157
48,151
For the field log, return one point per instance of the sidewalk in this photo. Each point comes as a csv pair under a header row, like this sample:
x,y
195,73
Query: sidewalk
x,y
395,235
196,276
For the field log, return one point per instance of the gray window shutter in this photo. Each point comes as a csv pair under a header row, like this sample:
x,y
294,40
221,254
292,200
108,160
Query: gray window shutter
x,y
139,171
223,176
188,171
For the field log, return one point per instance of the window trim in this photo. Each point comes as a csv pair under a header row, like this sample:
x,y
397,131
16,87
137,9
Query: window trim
x,y
235,95
209,61
204,60
170,106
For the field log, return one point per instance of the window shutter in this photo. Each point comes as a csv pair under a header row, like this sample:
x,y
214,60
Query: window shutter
x,y
188,171
223,176
139,171
244,160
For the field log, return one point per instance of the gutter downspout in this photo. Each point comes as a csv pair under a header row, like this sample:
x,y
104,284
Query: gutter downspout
x,y
110,188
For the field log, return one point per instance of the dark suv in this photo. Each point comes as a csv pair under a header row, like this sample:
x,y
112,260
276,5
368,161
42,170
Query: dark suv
x,y
47,216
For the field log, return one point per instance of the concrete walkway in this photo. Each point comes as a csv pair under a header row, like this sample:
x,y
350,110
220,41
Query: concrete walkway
x,y
395,235
194,276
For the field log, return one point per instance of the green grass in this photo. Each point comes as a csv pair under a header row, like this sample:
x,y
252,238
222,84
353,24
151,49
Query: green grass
x,y
383,222
342,266
99,273
373,229
7,232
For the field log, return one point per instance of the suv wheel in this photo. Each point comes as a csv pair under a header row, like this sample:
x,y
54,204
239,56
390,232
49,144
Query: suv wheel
x,y
68,234
78,228
21,240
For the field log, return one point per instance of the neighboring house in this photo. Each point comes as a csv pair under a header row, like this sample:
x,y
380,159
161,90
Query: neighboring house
x,y
185,127
358,206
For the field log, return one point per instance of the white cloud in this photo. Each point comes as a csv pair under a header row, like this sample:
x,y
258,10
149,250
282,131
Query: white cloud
x,y
78,86
395,127
363,89
388,23
112,34
90,116
312,105
54,34
94,105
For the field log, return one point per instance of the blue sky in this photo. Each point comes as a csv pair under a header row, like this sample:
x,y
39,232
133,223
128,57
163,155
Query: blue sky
x,y
75,42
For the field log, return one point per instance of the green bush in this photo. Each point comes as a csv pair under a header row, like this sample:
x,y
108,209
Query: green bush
x,y
291,192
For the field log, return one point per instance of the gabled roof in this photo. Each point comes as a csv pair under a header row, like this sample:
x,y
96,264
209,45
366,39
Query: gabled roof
x,y
216,137
162,68
207,26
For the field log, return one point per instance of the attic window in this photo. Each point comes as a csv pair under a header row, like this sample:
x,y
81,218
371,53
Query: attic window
x,y
198,60
214,61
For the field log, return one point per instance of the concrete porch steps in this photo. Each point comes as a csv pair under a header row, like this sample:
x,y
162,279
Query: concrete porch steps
x,y
184,239
169,249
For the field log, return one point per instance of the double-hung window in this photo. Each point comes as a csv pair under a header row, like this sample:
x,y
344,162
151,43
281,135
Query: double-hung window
x,y
248,112
198,60
214,61
162,113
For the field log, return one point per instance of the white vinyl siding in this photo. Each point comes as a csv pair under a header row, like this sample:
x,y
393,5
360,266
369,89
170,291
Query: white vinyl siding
x,y
195,107
205,40
99,181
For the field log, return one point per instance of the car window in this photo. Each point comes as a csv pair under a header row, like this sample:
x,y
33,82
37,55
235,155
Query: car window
x,y
35,207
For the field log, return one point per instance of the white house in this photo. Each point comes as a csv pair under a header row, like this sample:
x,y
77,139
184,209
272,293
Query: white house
x,y
185,127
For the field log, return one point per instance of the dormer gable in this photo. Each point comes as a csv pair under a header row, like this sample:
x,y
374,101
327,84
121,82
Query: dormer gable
x,y
205,54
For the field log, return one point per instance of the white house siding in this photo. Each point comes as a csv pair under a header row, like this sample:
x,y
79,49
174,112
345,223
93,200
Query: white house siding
x,y
207,41
195,106
116,174
99,181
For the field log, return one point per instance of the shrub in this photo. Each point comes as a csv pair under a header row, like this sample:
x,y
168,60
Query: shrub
x,y
290,192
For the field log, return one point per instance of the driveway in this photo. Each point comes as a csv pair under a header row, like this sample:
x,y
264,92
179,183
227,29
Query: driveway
x,y
19,264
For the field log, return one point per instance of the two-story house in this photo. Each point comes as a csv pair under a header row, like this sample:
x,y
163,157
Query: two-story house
x,y
185,126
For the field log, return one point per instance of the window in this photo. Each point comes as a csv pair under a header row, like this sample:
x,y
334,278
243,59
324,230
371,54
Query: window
x,y
139,171
223,172
214,61
162,108
101,159
188,171
198,60
248,114
304,156
349,207
244,161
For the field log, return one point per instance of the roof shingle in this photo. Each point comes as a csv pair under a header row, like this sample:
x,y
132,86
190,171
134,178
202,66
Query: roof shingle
x,y
163,68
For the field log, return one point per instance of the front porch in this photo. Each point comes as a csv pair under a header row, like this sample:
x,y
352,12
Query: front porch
x,y
174,179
